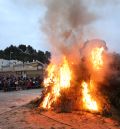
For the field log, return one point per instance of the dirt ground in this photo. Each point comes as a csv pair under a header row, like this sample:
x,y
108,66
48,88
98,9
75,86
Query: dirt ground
x,y
10,100
17,116
27,118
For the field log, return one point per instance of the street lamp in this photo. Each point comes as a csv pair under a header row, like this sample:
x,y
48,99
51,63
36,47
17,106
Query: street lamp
x,y
11,54
10,57
2,65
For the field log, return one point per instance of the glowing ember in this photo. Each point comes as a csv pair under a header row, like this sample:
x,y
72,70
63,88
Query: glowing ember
x,y
89,103
96,56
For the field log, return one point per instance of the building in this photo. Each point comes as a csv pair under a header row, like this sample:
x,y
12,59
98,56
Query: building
x,y
19,68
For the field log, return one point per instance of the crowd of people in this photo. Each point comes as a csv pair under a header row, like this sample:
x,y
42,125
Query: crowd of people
x,y
12,83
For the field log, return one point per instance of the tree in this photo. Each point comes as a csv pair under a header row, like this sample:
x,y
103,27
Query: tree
x,y
2,56
30,50
41,56
48,57
24,54
22,47
12,49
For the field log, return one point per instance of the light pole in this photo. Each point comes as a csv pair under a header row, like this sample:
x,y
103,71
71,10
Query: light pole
x,y
10,57
2,66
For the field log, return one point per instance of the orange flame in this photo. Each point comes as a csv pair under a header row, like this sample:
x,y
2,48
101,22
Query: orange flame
x,y
50,78
65,75
45,104
89,103
60,79
96,57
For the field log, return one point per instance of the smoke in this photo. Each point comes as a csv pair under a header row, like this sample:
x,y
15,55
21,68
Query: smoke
x,y
67,14
104,2
69,22
65,22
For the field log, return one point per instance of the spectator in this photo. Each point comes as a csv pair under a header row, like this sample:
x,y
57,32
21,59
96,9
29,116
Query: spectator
x,y
10,83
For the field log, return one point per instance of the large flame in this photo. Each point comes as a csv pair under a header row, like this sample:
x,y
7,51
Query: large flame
x,y
88,101
59,77
96,56
65,75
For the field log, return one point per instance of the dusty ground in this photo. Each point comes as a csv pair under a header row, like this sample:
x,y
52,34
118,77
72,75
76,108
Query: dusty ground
x,y
13,115
10,100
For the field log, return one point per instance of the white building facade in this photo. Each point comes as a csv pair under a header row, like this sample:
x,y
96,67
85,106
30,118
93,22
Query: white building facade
x,y
20,68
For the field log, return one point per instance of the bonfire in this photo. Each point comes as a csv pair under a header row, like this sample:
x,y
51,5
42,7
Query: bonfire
x,y
74,85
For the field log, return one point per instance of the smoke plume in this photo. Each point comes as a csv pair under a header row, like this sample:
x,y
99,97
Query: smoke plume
x,y
65,22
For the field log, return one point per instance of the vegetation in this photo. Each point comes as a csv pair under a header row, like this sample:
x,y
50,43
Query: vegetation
x,y
24,53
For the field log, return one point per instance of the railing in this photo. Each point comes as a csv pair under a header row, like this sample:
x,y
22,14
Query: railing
x,y
21,67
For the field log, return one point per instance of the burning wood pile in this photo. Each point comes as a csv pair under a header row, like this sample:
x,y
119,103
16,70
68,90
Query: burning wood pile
x,y
78,70
73,83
